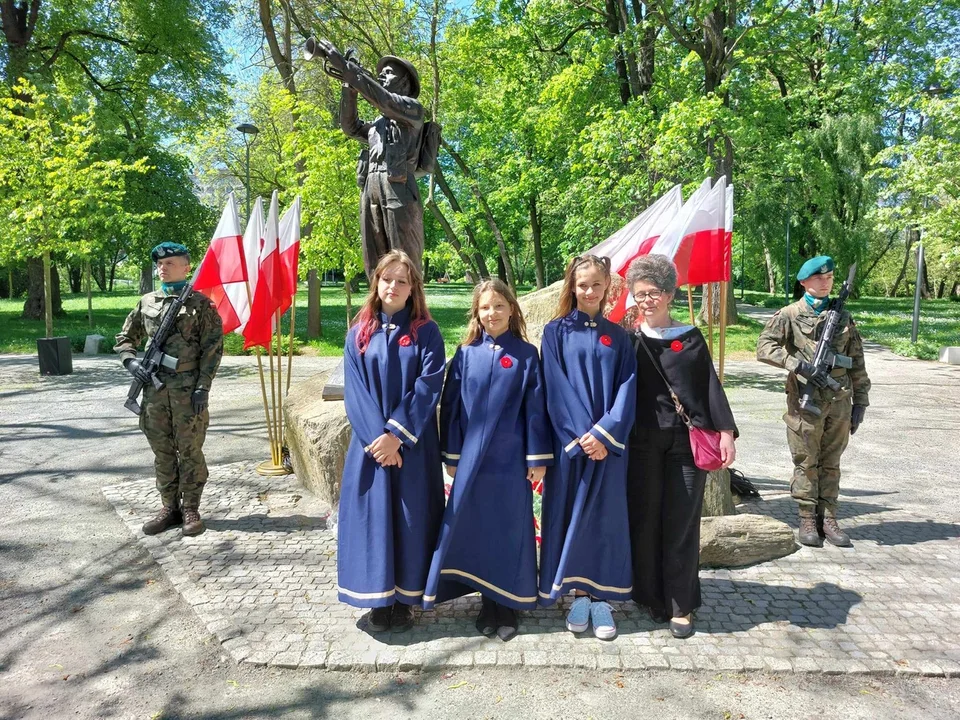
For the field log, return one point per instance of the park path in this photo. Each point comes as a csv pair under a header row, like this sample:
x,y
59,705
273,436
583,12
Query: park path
x,y
81,587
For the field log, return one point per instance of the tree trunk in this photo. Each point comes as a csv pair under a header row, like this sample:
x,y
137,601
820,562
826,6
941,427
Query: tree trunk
x,y
487,213
47,295
10,282
89,288
113,276
717,496
768,262
146,278
925,290
314,320
100,274
732,315
75,275
34,307
478,258
912,234
451,236
536,232
612,22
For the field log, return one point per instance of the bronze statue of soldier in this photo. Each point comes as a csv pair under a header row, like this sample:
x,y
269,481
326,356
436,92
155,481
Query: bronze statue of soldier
x,y
391,213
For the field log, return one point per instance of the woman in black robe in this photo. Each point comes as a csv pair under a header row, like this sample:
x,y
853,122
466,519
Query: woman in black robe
x,y
664,486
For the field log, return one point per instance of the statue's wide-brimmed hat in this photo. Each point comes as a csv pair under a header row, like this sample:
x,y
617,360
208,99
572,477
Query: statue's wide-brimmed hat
x,y
407,66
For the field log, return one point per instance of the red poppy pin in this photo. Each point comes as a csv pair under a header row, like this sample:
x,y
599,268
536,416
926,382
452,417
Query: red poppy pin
x,y
676,346
404,341
606,340
506,362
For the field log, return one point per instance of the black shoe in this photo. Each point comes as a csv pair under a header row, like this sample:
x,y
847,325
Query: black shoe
x,y
487,619
507,620
402,618
379,619
681,630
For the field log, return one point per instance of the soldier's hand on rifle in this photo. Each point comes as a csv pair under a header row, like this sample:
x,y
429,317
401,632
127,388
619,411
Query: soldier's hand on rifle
x,y
136,368
818,376
199,400
856,417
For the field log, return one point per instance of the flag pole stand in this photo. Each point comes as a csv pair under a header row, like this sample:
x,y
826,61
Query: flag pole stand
x,y
723,326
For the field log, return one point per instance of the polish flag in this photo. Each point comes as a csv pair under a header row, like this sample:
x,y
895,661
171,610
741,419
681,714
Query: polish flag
x,y
695,240
223,272
290,252
242,296
636,239
268,296
710,254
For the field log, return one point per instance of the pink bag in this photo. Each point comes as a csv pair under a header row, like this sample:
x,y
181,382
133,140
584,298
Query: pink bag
x,y
704,443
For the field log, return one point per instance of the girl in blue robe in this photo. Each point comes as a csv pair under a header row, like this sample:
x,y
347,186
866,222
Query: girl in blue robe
x,y
495,441
590,373
391,497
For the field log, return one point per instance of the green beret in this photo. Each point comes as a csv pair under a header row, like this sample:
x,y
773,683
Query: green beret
x,y
169,249
815,266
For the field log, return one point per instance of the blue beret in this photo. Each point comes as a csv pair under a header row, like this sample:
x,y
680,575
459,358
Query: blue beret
x,y
815,266
169,249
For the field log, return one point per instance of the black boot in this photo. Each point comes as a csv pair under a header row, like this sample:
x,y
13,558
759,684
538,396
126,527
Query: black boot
x,y
402,618
833,533
169,517
808,530
487,619
507,621
379,619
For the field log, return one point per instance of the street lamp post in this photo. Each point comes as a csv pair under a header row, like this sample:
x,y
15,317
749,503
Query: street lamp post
x,y
249,132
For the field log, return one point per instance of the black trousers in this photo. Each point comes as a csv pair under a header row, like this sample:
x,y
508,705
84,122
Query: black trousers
x,y
665,499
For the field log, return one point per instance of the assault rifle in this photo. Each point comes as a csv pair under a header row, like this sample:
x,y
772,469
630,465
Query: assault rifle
x,y
824,358
154,358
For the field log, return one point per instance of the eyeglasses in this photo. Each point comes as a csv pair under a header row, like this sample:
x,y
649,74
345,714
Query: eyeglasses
x,y
652,294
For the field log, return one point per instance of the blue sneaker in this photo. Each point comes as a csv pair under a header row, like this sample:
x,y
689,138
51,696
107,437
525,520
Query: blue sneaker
x,y
578,619
601,615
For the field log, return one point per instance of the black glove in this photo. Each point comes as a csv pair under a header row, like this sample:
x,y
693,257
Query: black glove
x,y
856,417
135,368
818,376
199,400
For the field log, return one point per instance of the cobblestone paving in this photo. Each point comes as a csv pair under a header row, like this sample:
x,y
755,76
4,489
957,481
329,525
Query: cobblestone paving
x,y
263,580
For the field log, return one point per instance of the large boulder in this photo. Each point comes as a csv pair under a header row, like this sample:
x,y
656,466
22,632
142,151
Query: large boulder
x,y
738,540
317,434
538,309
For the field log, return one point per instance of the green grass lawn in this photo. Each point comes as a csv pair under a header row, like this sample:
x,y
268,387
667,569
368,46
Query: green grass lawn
x,y
881,320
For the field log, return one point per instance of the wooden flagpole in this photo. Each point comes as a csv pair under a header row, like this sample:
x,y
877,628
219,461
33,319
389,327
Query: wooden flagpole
x,y
723,326
263,386
709,289
279,386
293,323
690,304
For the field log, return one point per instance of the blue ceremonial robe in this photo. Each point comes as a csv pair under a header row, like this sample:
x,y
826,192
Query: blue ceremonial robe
x,y
590,371
389,516
493,426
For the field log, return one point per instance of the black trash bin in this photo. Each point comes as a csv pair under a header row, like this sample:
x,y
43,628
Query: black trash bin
x,y
56,356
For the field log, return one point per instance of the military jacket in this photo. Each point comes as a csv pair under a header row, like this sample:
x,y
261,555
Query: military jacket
x,y
791,336
196,340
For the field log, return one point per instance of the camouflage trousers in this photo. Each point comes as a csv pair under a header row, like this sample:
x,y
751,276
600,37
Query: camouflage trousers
x,y
816,443
176,437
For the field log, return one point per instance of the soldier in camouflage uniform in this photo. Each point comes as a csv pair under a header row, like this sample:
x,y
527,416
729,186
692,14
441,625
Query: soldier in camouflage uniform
x,y
817,442
175,419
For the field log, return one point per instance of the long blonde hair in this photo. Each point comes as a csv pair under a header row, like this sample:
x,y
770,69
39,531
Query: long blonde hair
x,y
518,326
368,316
568,296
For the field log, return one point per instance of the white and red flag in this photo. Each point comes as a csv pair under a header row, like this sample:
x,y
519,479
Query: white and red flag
x,y
704,255
252,239
222,273
290,253
268,295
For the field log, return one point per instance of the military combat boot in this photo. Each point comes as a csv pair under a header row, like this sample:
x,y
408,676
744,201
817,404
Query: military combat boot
x,y
192,524
808,530
169,517
833,533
